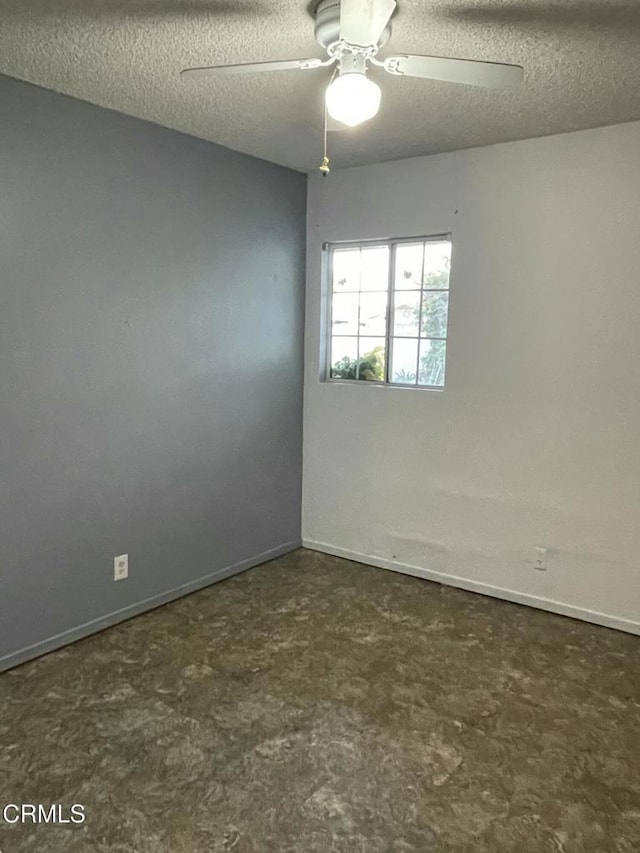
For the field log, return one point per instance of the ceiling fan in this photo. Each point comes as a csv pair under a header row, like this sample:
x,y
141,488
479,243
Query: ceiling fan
x,y
352,32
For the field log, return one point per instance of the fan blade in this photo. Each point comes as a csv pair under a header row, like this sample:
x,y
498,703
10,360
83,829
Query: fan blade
x,y
495,75
362,22
254,67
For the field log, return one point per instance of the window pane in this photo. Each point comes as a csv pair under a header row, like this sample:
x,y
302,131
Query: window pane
x,y
437,257
346,269
408,272
404,361
406,312
344,314
344,356
362,322
432,358
372,357
434,314
375,268
373,313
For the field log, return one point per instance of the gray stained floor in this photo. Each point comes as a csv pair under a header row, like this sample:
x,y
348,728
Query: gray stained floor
x,y
314,704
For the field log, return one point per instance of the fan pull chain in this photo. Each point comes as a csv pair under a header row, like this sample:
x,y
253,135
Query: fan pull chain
x,y
324,166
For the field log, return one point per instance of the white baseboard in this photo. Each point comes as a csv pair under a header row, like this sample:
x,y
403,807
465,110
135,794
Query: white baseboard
x,y
95,625
604,619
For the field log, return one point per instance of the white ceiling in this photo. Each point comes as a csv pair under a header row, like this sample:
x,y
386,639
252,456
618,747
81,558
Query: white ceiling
x,y
581,59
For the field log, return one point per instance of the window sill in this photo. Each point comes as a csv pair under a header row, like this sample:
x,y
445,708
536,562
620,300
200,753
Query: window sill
x,y
374,384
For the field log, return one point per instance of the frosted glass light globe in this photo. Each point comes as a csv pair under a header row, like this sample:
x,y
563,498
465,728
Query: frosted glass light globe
x,y
352,98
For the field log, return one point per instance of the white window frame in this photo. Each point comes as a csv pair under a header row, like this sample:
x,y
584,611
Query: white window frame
x,y
391,244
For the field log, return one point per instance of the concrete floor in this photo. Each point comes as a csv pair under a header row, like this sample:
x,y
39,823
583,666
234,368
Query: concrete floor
x,y
314,705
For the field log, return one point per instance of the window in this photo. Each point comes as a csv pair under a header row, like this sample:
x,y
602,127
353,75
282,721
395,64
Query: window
x,y
389,310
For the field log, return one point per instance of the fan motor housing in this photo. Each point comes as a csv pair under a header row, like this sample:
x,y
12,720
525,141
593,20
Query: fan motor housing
x,y
327,25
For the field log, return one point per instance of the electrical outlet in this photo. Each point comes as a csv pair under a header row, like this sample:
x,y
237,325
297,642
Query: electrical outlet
x,y
121,567
540,562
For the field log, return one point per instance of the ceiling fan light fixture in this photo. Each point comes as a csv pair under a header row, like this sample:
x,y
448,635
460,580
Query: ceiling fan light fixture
x,y
352,98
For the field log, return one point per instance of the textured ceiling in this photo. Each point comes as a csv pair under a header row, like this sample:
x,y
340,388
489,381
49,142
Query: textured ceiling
x,y
581,60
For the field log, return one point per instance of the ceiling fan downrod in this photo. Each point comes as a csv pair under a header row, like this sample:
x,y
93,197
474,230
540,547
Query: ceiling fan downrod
x,y
330,33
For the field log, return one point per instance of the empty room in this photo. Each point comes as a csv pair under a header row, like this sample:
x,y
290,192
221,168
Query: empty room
x,y
319,426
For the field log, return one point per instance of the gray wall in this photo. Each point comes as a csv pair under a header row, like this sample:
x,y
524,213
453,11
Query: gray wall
x,y
151,307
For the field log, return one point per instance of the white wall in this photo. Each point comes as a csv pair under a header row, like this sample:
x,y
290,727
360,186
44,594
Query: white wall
x,y
536,438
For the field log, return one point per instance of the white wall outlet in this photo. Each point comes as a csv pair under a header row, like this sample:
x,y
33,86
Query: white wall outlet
x,y
121,567
540,562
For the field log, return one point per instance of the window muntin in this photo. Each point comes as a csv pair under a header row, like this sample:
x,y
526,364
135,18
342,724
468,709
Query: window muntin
x,y
389,308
